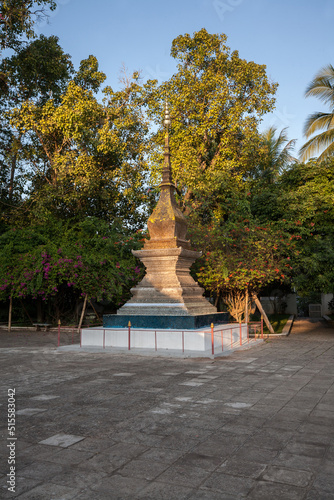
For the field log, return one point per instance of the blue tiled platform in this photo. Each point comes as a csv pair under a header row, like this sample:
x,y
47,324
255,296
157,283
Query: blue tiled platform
x,y
164,322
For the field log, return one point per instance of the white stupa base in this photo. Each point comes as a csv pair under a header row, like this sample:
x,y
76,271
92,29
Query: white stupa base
x,y
225,339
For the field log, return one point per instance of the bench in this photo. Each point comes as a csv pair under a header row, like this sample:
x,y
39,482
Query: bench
x,y
38,326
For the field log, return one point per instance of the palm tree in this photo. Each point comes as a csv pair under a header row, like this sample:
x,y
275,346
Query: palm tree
x,y
277,154
322,86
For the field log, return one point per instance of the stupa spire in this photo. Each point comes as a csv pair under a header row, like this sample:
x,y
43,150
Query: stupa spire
x,y
167,169
167,226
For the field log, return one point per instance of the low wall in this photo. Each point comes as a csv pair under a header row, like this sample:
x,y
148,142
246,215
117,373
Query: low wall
x,y
201,340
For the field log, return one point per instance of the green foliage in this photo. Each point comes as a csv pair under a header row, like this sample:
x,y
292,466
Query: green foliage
x,y
75,172
275,156
216,101
39,70
88,76
85,158
242,255
302,204
17,19
277,321
91,257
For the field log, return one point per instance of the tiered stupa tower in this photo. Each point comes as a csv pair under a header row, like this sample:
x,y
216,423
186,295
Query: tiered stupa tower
x,y
167,289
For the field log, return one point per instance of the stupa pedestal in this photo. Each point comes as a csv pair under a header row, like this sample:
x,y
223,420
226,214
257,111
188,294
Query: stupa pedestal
x,y
167,289
168,296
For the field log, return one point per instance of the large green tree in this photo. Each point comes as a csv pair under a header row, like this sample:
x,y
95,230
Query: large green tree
x,y
216,102
38,72
301,203
17,19
322,87
306,204
85,157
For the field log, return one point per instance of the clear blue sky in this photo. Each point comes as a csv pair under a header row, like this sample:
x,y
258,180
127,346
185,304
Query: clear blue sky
x,y
293,38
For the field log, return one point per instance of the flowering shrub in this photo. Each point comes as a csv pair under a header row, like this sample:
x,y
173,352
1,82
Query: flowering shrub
x,y
242,256
92,258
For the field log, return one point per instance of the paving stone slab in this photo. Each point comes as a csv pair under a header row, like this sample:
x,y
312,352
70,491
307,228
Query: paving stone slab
x,y
45,397
163,491
22,485
226,483
70,457
242,468
143,469
93,444
307,449
252,453
284,475
51,491
62,440
300,462
276,491
267,440
205,462
184,475
319,495
324,482
211,495
121,487
42,470
79,478
30,411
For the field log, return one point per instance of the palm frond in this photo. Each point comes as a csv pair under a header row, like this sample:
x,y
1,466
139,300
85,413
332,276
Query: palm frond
x,y
322,141
278,154
318,121
322,86
329,151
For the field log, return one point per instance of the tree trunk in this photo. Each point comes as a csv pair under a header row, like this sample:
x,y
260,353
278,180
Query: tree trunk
x,y
262,311
10,314
217,300
82,313
97,314
39,311
15,147
25,310
12,174
246,308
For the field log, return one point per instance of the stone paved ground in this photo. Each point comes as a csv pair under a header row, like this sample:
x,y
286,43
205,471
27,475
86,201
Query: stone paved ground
x,y
258,424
